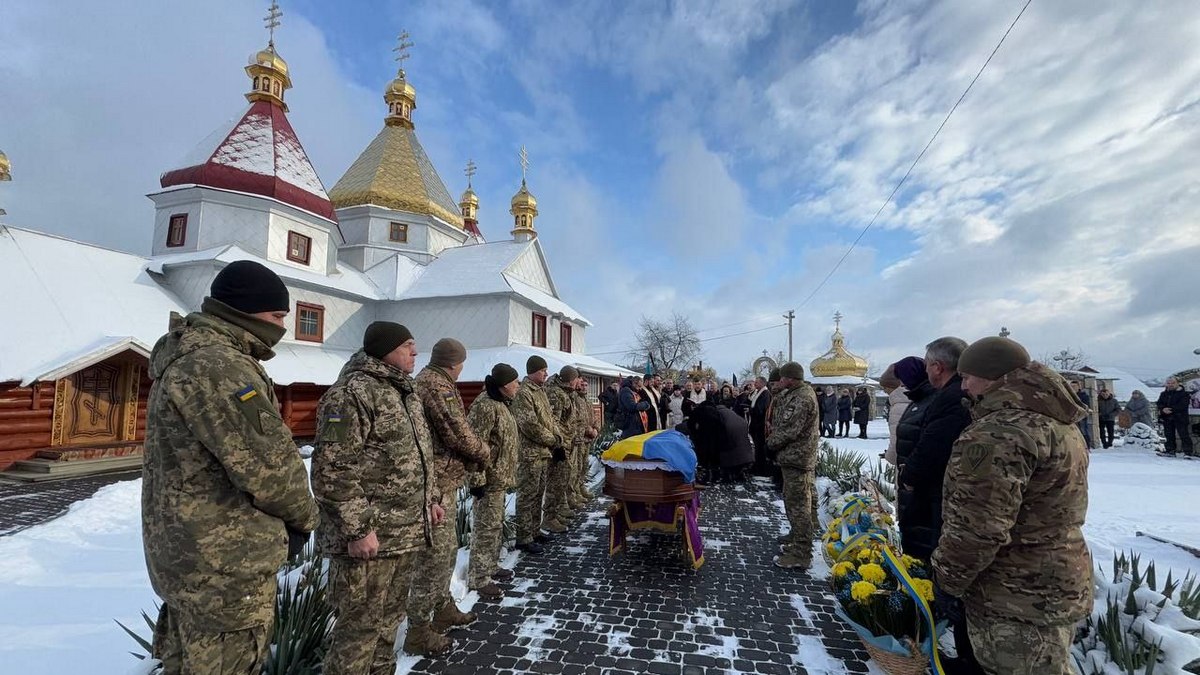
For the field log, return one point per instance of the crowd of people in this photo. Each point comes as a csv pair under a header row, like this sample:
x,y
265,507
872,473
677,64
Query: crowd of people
x,y
226,498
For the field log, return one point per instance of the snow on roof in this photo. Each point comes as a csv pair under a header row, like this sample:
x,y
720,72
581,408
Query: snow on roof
x,y
258,153
72,299
306,362
348,280
481,269
841,380
480,362
1123,383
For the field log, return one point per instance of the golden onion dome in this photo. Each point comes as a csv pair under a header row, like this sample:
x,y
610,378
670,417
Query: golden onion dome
x,y
400,86
5,167
524,198
267,58
838,361
469,197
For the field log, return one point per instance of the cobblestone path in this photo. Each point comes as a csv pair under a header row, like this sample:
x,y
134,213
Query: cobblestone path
x,y
575,610
24,505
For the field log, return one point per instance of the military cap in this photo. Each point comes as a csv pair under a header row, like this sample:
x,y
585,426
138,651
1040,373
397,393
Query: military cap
x,y
774,375
534,364
992,358
384,336
792,370
503,373
568,374
447,353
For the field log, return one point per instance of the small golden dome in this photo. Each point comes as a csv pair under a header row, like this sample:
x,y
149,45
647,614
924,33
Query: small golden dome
x,y
469,197
400,86
838,361
5,167
267,58
524,198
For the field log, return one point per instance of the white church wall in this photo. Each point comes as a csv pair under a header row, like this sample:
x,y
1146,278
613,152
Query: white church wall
x,y
528,268
345,320
477,321
520,327
440,241
190,283
277,243
162,220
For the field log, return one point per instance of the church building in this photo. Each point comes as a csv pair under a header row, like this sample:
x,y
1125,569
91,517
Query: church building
x,y
387,242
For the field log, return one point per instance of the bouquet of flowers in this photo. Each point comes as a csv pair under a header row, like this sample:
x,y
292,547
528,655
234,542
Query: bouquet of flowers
x,y
886,599
860,523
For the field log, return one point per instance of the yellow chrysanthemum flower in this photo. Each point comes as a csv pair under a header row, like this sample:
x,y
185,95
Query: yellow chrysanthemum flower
x,y
872,573
830,549
924,588
910,562
835,535
862,591
836,523
842,569
887,518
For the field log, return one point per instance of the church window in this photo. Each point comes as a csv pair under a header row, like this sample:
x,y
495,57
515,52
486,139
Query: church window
x,y
539,330
310,322
299,248
177,230
564,337
398,232
276,88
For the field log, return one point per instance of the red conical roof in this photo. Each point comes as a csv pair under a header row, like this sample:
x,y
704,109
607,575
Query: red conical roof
x,y
259,154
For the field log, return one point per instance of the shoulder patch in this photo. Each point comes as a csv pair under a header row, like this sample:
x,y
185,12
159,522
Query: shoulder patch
x,y
246,393
976,459
333,427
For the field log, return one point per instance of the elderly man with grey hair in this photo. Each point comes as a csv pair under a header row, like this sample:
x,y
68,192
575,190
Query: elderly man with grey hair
x,y
1173,405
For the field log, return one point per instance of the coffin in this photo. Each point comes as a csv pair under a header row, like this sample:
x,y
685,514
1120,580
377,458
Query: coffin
x,y
646,485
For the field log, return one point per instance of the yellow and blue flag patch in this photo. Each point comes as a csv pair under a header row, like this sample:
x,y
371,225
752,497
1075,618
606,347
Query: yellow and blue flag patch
x,y
246,393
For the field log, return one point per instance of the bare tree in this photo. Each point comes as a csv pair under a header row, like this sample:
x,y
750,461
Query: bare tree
x,y
670,345
1067,359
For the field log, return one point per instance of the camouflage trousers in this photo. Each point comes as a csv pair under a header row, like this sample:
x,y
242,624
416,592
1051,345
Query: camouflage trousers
x,y
435,565
487,533
798,504
185,646
1014,648
580,459
531,490
558,487
368,598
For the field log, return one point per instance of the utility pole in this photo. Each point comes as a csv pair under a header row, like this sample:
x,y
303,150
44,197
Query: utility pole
x,y
789,316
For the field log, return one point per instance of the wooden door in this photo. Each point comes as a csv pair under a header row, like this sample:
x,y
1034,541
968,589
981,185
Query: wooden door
x,y
90,405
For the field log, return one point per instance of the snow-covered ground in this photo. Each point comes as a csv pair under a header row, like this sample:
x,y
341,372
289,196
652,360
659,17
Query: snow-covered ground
x,y
66,581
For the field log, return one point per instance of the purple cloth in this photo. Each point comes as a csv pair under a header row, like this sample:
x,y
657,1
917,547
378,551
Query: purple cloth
x,y
910,370
664,517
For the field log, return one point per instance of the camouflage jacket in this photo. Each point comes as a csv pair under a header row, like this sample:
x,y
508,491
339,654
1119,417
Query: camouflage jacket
x,y
494,423
581,418
222,476
373,467
794,427
562,404
1015,499
535,421
454,442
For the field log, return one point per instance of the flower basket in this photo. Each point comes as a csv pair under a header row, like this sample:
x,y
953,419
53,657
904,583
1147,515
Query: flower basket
x,y
913,663
860,523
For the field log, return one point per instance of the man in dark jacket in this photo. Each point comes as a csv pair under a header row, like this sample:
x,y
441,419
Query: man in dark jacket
x,y
760,402
630,407
945,417
608,399
1085,399
1173,413
1108,408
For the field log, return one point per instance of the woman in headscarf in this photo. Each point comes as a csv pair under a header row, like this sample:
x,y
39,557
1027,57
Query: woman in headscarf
x,y
1138,408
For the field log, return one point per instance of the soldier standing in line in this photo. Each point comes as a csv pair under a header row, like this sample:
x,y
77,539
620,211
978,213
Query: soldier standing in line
x,y
794,438
776,474
224,495
560,392
494,424
455,445
585,434
1012,546
539,435
373,474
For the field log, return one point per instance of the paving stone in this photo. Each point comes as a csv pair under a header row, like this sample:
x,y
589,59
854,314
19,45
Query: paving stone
x,y
646,610
24,505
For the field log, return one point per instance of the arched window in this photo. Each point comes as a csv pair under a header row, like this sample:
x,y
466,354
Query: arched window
x,y
276,88
266,84
255,84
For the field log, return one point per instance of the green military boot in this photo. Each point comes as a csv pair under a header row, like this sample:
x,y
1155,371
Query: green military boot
x,y
449,617
566,516
423,640
553,525
793,561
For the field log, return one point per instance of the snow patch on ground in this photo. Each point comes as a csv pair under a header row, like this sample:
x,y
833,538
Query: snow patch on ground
x,y
521,588
534,632
574,550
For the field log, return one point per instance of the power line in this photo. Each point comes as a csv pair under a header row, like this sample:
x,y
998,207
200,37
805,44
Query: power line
x,y
918,159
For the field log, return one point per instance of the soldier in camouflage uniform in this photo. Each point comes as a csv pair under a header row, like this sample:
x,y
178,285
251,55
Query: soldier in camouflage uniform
x,y
1012,545
373,474
455,445
493,422
224,488
586,432
560,392
540,434
794,438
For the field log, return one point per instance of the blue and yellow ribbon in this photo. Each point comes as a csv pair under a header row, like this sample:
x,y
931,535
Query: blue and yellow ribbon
x,y
897,567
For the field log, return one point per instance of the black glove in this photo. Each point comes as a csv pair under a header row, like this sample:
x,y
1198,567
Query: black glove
x,y
478,492
296,542
947,606
559,454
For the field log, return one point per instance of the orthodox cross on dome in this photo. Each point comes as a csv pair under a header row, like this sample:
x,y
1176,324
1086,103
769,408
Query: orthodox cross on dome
x,y
524,163
272,22
837,320
403,44
470,171
1004,331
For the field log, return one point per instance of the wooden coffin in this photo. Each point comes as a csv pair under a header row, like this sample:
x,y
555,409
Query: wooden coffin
x,y
641,485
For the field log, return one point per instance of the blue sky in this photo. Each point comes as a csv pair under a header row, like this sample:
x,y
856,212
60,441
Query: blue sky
x,y
709,157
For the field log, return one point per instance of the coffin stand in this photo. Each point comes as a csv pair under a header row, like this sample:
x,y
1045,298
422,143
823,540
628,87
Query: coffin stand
x,y
648,495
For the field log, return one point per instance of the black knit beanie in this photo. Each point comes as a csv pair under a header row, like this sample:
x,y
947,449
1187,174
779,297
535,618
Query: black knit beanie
x,y
384,336
503,373
534,364
251,288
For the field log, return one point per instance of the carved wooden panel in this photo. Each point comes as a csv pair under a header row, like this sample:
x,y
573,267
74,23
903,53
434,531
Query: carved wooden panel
x,y
89,406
